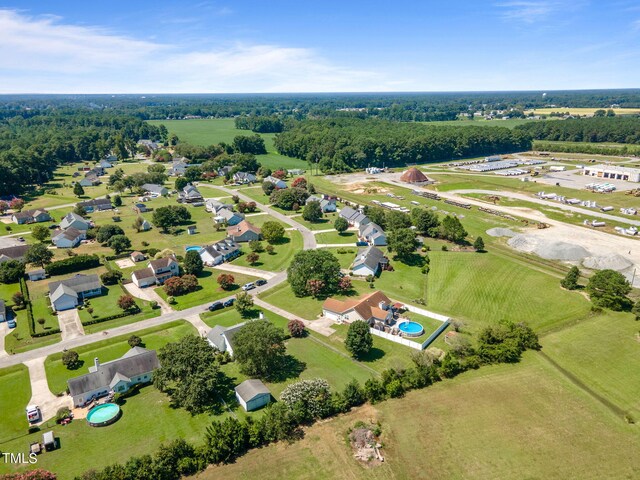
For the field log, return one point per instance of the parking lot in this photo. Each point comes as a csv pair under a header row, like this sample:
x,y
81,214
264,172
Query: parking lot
x,y
575,179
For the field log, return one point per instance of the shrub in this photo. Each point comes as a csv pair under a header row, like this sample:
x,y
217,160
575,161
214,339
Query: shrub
x,y
126,302
111,277
71,359
359,339
225,280
73,264
134,341
296,328
311,398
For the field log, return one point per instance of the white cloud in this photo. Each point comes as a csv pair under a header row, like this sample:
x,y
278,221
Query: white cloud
x,y
43,54
533,11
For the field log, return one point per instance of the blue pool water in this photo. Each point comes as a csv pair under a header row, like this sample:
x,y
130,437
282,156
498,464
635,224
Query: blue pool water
x,y
411,329
193,248
103,414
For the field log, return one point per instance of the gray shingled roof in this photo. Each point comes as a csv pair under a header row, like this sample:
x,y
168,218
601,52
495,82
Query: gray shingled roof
x,y
142,361
143,273
215,334
61,290
369,256
78,283
249,389
14,252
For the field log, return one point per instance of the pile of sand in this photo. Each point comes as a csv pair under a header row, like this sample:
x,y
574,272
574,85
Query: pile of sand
x,y
548,249
612,262
501,232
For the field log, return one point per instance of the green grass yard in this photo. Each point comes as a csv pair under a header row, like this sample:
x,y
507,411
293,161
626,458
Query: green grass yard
x,y
280,258
337,238
15,392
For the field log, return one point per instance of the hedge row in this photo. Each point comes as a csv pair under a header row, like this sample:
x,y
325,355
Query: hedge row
x,y
93,321
72,264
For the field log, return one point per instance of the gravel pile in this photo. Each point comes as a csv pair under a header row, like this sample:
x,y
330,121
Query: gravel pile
x,y
501,232
613,262
550,250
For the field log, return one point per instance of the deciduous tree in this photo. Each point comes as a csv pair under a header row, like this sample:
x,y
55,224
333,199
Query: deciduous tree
x,y
259,348
359,339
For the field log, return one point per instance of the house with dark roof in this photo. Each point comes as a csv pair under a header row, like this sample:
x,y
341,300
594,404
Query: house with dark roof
x,y
228,216
221,338
70,292
73,220
155,189
31,216
327,204
219,252
157,272
190,194
13,253
244,178
90,180
279,184
244,232
372,308
68,238
96,205
117,376
369,261
252,394
373,234
354,217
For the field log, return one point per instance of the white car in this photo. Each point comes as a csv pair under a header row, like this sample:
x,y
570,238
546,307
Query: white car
x,y
33,414
248,286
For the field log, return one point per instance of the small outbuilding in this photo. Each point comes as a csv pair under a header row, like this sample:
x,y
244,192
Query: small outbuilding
x,y
37,274
252,394
49,441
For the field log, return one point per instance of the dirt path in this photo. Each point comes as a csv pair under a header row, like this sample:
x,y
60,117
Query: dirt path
x,y
70,324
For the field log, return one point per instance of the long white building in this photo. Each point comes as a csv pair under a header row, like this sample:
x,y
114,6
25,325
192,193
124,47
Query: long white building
x,y
613,172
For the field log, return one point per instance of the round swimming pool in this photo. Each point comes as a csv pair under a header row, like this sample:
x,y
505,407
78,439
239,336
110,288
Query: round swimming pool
x,y
193,248
411,329
103,414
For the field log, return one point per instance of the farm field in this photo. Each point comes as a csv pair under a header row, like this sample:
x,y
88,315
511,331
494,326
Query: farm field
x,y
546,429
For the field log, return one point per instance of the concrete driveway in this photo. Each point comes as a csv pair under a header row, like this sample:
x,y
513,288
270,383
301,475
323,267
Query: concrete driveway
x,y
70,324
40,393
4,331
149,295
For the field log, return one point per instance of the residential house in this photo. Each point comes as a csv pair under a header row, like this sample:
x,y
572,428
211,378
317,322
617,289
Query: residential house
x,y
369,261
37,274
90,180
373,234
138,257
252,394
73,220
244,177
155,189
31,216
244,232
146,226
117,376
354,217
372,308
178,167
219,252
222,172
68,293
190,194
221,338
156,272
149,145
68,238
13,253
229,216
140,208
96,205
279,184
295,171
327,204
105,163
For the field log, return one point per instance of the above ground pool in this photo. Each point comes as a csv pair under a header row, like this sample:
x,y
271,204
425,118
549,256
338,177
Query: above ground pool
x,y
193,248
103,414
411,329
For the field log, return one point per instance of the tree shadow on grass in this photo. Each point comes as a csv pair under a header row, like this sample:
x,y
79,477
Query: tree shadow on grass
x,y
290,368
76,366
373,355
282,241
412,260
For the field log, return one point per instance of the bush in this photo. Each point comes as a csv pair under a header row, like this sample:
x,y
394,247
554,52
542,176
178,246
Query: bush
x,y
296,328
11,271
62,413
134,341
359,339
111,277
71,359
72,264
310,398
153,304
126,302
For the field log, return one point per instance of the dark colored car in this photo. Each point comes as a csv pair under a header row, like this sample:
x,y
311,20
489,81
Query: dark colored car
x,y
361,244
229,303
260,282
215,306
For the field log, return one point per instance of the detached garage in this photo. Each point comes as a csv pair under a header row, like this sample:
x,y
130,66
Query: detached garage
x,y
252,394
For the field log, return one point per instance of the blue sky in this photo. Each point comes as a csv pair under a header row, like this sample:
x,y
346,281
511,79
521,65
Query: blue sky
x,y
203,46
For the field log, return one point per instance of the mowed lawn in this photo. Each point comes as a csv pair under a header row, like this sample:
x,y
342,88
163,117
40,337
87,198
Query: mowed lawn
x,y
483,289
15,392
107,350
604,353
277,261
507,421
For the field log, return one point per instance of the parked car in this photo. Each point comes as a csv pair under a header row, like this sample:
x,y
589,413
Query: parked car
x,y
53,227
229,303
361,244
248,286
261,282
215,306
11,323
33,413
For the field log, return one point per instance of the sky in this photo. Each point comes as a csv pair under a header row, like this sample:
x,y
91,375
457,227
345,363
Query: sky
x,y
240,46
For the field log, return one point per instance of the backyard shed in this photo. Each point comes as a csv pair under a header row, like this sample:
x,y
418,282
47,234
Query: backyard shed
x,y
252,394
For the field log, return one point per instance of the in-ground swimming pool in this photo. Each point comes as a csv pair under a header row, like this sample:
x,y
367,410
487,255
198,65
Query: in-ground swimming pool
x,y
411,329
104,414
193,248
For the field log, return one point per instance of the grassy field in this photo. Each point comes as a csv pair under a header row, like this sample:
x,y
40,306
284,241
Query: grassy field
x,y
603,352
465,428
15,392
107,350
209,290
215,130
337,238
584,111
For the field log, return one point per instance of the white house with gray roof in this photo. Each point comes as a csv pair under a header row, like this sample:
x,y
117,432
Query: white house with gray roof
x,y
221,338
155,189
69,293
73,220
368,261
354,217
68,238
228,216
252,394
373,234
219,252
117,376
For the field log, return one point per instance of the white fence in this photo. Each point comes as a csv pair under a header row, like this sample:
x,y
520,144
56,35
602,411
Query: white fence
x,y
396,338
426,313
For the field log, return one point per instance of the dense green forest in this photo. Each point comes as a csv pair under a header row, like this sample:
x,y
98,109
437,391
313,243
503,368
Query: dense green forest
x,y
390,106
32,147
595,129
344,144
